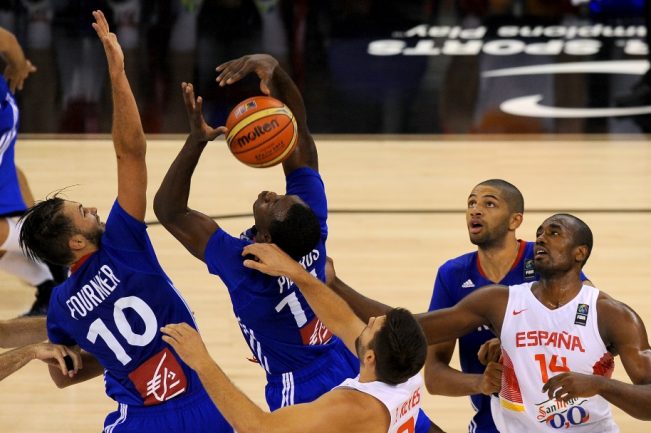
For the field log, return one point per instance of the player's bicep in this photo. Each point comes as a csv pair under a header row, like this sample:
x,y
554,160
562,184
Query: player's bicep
x,y
193,229
628,337
132,186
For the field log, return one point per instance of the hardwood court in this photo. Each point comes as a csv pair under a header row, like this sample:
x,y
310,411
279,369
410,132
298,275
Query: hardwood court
x,y
396,215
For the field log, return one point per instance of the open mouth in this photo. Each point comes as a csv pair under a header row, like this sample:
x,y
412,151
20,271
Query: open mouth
x,y
475,227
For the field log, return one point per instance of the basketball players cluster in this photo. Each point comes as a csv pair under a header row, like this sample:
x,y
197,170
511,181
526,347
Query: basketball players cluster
x,y
335,360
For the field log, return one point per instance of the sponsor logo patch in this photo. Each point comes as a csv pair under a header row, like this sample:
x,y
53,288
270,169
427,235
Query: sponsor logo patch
x,y
160,378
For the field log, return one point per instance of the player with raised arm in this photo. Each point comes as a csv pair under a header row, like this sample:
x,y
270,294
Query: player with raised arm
x,y
384,397
118,295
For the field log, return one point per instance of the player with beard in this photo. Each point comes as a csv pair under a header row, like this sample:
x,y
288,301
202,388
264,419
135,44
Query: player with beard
x,y
559,338
118,296
494,212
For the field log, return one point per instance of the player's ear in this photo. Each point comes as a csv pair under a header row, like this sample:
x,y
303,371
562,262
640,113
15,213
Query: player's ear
x,y
369,358
77,242
580,253
515,221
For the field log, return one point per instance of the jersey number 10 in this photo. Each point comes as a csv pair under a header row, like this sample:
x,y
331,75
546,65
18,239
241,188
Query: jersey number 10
x,y
98,327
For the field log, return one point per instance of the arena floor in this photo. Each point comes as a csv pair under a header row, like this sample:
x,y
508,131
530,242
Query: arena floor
x,y
396,214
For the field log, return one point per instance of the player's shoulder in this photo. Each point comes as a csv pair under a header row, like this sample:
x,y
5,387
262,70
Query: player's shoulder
x,y
461,263
607,306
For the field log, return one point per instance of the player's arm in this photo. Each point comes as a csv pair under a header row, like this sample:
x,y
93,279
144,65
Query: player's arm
x,y
333,311
363,306
482,307
128,136
326,414
91,369
193,229
18,67
276,82
21,331
625,335
440,378
53,354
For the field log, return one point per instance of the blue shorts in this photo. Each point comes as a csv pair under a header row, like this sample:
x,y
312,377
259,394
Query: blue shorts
x,y
195,413
311,382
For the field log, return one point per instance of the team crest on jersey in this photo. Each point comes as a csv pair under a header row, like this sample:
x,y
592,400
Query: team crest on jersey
x,y
159,378
529,271
581,314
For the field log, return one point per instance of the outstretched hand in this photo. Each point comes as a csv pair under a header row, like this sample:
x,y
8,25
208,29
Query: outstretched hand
x,y
199,129
112,48
187,343
263,65
271,260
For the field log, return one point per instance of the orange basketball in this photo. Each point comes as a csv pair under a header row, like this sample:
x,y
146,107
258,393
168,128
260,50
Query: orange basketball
x,y
261,131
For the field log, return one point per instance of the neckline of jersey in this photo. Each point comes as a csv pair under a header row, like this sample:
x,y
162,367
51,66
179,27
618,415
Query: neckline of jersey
x,y
521,249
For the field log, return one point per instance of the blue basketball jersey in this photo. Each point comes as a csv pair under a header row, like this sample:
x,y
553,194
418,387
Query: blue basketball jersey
x,y
113,305
456,279
276,321
11,200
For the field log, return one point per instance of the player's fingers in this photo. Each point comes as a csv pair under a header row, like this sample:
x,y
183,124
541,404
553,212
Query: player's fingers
x,y
252,264
253,249
56,354
170,330
76,359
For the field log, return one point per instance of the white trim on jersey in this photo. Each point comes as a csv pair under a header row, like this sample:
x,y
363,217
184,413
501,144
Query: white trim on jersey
x,y
9,136
120,420
288,390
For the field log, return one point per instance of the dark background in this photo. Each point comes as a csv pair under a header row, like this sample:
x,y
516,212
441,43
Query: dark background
x,y
324,44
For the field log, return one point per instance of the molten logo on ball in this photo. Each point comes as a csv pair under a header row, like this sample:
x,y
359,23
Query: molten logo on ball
x,y
262,131
257,132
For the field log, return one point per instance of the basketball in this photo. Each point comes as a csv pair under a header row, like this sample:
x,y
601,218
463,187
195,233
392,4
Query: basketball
x,y
261,131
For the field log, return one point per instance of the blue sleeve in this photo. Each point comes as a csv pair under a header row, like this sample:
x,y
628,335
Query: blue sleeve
x,y
124,232
223,256
308,185
55,333
441,296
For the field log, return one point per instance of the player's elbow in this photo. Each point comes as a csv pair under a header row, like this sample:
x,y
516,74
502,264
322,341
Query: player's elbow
x,y
162,208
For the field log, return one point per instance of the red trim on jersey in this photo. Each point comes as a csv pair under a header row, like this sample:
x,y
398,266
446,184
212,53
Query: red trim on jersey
x,y
76,265
521,249
605,366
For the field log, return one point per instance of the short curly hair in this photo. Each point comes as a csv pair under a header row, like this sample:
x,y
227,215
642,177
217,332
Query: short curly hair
x,y
298,233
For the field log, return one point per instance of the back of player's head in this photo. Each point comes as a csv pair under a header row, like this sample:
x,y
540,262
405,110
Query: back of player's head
x,y
298,233
400,347
510,193
46,231
581,233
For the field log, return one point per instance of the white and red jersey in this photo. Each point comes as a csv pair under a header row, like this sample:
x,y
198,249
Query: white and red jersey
x,y
539,343
402,401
